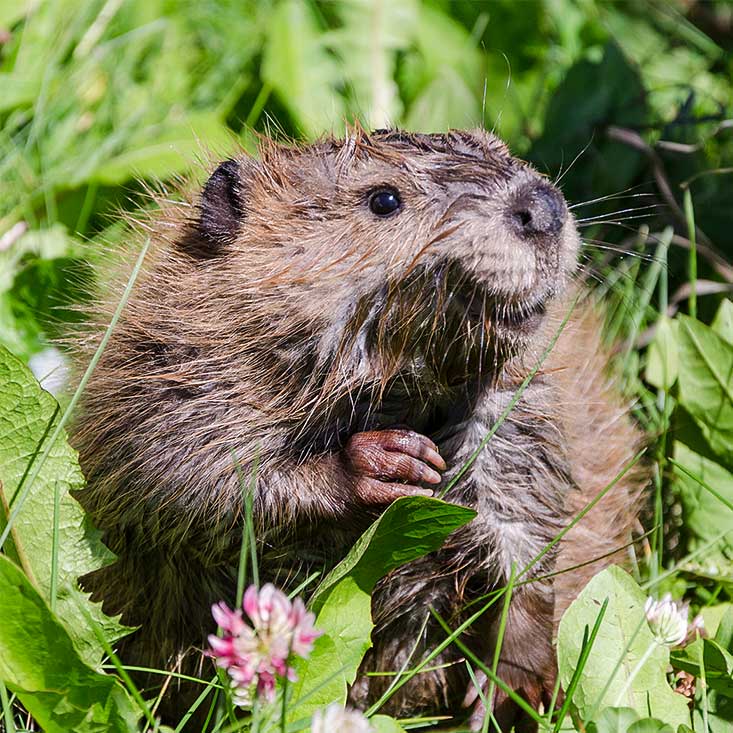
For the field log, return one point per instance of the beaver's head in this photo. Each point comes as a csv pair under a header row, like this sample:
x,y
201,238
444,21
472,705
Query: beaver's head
x,y
392,246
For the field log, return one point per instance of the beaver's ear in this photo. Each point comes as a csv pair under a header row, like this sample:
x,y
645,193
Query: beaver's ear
x,y
221,209
221,203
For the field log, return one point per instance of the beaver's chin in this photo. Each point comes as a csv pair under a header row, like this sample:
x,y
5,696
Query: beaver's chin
x,y
508,315
519,319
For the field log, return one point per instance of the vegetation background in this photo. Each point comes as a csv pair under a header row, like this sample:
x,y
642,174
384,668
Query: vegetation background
x,y
629,105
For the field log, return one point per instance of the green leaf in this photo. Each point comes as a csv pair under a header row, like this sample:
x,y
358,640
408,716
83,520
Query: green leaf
x,y
166,151
13,10
724,632
719,717
446,102
35,278
723,322
27,417
297,65
717,660
661,360
650,725
40,664
624,640
385,724
613,720
443,76
717,656
609,166
706,517
626,720
713,619
706,383
50,243
410,528
18,91
372,32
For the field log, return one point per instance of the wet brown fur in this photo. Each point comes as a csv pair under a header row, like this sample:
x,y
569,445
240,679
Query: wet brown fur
x,y
309,320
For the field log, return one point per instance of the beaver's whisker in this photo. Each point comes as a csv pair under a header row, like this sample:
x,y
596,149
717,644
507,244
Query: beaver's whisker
x,y
631,210
614,196
561,174
606,246
613,222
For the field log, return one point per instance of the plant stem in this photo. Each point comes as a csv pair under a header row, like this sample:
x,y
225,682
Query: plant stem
x,y
634,672
7,709
497,647
513,402
692,267
55,546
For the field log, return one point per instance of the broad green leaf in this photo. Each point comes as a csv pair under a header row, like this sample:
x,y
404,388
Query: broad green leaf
x,y
706,516
385,724
443,76
706,383
50,243
446,102
718,663
720,701
371,34
297,65
27,417
650,725
613,720
723,322
713,618
410,528
720,714
445,44
17,91
608,166
40,664
624,640
171,150
715,654
661,360
20,338
626,720
13,10
724,632
37,286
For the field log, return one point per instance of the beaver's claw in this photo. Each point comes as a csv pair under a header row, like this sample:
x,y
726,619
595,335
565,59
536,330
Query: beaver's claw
x,y
381,460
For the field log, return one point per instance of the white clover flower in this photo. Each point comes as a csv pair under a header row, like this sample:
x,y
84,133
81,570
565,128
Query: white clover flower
x,y
668,621
335,719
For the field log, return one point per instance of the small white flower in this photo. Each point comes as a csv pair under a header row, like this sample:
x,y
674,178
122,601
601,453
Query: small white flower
x,y
49,367
334,718
668,621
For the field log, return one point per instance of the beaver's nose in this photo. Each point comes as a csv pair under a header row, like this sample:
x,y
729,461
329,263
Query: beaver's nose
x,y
536,210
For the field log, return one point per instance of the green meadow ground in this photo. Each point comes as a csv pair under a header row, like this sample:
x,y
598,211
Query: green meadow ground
x,y
628,105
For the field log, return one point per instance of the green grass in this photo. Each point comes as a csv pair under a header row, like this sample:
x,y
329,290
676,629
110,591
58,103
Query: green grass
x,y
627,104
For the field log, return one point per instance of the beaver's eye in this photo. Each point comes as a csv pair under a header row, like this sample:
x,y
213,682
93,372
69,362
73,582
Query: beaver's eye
x,y
384,201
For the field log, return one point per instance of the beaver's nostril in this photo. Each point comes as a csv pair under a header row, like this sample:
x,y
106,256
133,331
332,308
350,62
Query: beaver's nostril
x,y
537,210
522,217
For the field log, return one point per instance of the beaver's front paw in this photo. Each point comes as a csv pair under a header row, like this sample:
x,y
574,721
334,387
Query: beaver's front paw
x,y
381,460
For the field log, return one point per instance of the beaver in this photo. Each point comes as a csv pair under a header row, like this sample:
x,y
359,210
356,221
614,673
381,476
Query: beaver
x,y
345,321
